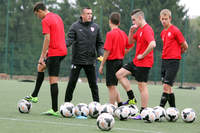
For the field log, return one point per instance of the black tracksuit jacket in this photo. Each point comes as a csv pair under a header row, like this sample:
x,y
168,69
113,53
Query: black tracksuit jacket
x,y
86,42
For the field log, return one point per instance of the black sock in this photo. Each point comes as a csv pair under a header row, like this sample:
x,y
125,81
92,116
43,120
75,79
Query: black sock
x,y
40,78
54,96
142,108
163,99
172,100
130,94
119,104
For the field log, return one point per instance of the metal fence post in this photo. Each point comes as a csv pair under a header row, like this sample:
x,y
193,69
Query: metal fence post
x,y
6,38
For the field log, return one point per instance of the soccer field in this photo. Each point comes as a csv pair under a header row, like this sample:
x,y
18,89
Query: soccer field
x,y
11,121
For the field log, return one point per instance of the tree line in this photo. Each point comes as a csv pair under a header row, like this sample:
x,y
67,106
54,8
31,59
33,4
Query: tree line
x,y
25,32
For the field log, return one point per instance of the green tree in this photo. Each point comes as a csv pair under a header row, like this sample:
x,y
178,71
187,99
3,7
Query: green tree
x,y
25,31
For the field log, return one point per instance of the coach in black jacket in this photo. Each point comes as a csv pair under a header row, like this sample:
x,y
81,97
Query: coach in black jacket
x,y
84,36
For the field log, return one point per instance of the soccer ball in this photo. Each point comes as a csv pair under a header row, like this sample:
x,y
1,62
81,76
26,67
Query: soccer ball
x,y
133,110
81,110
188,115
105,121
123,112
107,108
160,113
148,115
94,108
172,114
24,106
67,109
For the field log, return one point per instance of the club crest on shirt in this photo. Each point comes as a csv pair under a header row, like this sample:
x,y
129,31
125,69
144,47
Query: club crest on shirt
x,y
169,34
92,29
140,34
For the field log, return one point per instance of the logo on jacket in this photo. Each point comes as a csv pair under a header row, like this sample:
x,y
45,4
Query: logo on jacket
x,y
92,29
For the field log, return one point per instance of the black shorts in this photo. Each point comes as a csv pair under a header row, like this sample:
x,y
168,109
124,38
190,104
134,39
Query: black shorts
x,y
112,66
53,65
169,69
140,73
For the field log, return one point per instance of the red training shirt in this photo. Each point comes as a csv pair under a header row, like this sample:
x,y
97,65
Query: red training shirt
x,y
143,36
52,24
116,42
172,39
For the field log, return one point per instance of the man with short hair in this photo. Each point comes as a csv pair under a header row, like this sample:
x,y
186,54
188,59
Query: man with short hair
x,y
53,52
174,45
115,47
143,61
84,36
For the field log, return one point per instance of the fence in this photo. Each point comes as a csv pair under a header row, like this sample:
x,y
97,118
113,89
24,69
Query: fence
x,y
21,42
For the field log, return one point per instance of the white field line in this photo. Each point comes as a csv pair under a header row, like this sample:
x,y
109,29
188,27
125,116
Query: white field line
x,y
74,124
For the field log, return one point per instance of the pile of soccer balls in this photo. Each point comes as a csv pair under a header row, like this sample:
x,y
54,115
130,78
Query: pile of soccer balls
x,y
171,114
105,113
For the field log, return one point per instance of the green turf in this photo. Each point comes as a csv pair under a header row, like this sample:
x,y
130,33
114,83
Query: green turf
x,y
11,121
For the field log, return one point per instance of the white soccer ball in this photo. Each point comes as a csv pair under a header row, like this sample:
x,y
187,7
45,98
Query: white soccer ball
x,y
24,106
107,108
133,110
122,112
81,110
67,109
160,113
105,121
94,108
172,114
148,115
188,115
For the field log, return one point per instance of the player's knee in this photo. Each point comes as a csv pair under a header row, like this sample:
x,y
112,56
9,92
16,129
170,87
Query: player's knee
x,y
142,86
111,88
166,88
41,68
118,75
53,79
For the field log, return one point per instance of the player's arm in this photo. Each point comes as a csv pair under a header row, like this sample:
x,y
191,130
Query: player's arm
x,y
71,36
129,46
45,48
105,56
184,47
150,47
99,44
128,50
132,29
181,40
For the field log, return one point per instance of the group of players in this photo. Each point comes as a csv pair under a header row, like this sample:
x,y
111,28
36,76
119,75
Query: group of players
x,y
84,36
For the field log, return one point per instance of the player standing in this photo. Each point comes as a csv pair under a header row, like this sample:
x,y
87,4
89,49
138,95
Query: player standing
x,y
54,50
114,50
174,45
85,38
143,60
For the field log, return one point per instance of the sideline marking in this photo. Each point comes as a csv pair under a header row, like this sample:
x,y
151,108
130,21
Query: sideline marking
x,y
77,124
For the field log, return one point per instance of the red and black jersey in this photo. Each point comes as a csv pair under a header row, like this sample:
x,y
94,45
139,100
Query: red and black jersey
x,y
143,36
52,24
116,42
172,39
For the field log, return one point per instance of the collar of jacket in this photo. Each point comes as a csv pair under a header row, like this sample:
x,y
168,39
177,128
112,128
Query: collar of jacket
x,y
85,23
